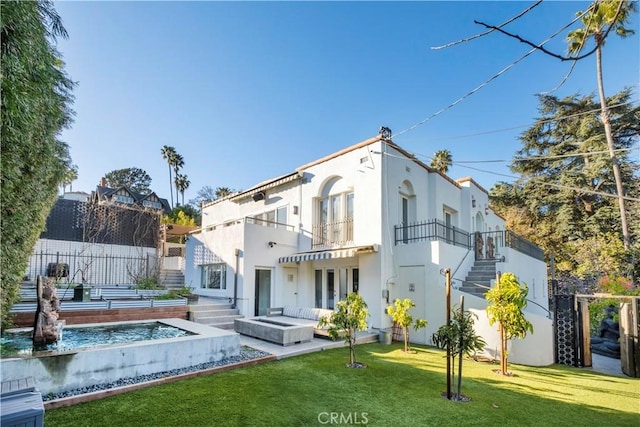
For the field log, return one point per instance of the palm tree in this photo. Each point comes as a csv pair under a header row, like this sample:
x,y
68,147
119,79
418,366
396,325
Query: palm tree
x,y
441,161
602,16
177,162
182,183
223,192
168,153
70,175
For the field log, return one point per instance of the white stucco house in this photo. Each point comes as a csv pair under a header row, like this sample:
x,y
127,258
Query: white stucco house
x,y
371,219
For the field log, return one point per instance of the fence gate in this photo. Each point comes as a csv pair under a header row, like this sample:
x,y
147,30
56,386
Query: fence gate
x,y
566,331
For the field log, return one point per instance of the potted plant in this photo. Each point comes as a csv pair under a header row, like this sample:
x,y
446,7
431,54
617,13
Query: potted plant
x,y
187,293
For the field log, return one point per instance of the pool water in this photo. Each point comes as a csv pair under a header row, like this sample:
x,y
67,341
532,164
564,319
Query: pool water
x,y
21,344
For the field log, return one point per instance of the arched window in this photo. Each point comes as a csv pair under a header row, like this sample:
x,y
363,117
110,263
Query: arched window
x,y
334,214
407,209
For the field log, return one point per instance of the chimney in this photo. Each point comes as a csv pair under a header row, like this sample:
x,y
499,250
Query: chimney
x,y
103,182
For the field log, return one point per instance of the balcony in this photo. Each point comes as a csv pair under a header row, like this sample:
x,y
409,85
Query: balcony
x,y
486,245
333,234
432,230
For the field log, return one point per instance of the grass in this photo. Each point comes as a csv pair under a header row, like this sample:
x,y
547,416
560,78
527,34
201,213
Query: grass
x,y
396,389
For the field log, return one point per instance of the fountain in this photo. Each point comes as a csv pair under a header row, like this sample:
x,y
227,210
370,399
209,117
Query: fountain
x,y
60,370
46,330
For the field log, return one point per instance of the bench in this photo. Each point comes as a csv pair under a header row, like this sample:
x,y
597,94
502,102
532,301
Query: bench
x,y
301,316
21,404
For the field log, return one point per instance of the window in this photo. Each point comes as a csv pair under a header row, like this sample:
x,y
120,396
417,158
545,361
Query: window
x,y
214,276
335,219
123,199
281,217
152,204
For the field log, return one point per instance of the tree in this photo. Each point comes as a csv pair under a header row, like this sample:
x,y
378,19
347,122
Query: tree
x,y
399,313
182,183
135,179
566,192
177,162
506,301
223,192
441,161
168,154
606,14
350,317
35,107
460,337
70,175
207,194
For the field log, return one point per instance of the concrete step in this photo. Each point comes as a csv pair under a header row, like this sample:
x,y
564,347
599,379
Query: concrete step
x,y
367,339
485,262
209,307
217,321
473,289
198,314
491,268
171,277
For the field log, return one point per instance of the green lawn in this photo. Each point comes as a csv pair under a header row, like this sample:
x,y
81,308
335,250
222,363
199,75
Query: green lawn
x,y
396,389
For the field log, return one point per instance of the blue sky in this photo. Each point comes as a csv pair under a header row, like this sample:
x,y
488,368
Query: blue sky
x,y
247,91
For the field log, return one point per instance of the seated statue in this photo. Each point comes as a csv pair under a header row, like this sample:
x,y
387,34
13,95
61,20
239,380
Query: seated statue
x,y
490,248
479,246
607,343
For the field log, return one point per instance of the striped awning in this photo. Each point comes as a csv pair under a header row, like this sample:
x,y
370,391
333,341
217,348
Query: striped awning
x,y
329,254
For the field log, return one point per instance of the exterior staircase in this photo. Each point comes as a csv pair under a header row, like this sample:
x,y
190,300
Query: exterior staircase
x,y
482,273
171,278
219,315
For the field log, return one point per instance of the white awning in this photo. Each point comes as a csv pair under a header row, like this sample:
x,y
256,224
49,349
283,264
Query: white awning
x,y
329,254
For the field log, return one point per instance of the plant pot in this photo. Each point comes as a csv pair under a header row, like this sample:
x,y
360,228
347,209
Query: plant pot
x,y
192,298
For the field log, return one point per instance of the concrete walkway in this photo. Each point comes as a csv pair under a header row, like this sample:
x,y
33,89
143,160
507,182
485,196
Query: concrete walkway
x,y
606,365
316,344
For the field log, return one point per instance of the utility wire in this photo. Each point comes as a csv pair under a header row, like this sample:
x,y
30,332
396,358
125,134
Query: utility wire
x,y
486,82
575,61
595,110
566,187
520,15
522,179
517,159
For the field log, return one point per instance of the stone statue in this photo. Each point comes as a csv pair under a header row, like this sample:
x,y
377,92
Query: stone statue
x,y
479,246
490,248
46,329
607,343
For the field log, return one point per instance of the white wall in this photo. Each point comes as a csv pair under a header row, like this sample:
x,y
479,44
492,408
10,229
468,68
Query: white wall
x,y
362,178
536,349
88,260
531,272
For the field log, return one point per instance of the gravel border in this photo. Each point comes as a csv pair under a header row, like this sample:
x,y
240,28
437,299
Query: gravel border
x,y
246,354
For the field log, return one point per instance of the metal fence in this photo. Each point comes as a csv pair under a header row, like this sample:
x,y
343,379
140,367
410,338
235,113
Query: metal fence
x,y
520,244
333,233
77,267
431,230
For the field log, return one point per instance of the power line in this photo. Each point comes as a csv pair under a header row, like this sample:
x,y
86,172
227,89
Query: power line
x,y
486,82
522,159
518,16
553,119
566,187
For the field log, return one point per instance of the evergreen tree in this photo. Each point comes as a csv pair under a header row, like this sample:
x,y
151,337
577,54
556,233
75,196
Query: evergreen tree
x,y
36,106
567,191
135,179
